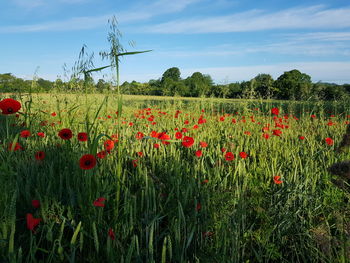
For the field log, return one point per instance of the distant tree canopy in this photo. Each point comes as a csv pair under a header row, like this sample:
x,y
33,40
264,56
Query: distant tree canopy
x,y
291,85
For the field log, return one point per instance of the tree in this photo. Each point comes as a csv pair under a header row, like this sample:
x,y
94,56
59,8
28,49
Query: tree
x,y
263,85
172,73
293,85
199,84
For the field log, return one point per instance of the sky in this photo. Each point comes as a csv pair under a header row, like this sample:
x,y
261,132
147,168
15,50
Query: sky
x,y
229,40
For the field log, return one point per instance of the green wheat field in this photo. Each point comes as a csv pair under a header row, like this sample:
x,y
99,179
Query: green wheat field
x,y
107,178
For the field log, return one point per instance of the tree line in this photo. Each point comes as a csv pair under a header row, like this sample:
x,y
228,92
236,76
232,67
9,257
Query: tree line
x,y
291,85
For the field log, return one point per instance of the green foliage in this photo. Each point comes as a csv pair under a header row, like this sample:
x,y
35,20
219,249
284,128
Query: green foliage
x,y
293,85
153,207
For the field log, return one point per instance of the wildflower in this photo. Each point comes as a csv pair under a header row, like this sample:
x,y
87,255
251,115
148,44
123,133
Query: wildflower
x,y
275,111
156,145
205,181
65,134
53,114
178,135
41,134
87,161
229,156
109,145
140,154
199,153
187,141
277,179
99,202
9,106
111,234
198,207
139,135
301,137
134,163
277,132
25,134
15,147
243,155
163,136
36,203
266,135
40,156
32,222
329,141
82,136
203,144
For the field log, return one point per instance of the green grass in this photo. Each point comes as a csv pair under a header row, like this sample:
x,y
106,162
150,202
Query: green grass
x,y
153,208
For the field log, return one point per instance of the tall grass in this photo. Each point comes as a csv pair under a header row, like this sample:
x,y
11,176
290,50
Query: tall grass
x,y
163,209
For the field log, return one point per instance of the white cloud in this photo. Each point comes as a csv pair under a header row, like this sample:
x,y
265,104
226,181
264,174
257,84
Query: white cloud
x,y
255,20
320,36
89,22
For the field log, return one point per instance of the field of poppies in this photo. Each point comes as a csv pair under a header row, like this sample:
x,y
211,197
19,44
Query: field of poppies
x,y
94,178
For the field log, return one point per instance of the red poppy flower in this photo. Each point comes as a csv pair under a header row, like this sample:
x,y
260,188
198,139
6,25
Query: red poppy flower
x,y
222,118
9,106
198,206
229,156
277,132
154,134
25,134
87,161
313,116
99,202
243,155
41,134
140,154
329,141
36,203
109,145
195,126
163,136
40,156
111,234
223,150
134,163
156,145
266,135
32,222
14,148
178,135
186,122
187,141
203,144
53,114
102,154
139,135
275,111
65,134
247,133
199,153
82,136
207,234
205,181
277,179
301,137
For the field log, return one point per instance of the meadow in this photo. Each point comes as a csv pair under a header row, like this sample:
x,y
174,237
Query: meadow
x,y
104,178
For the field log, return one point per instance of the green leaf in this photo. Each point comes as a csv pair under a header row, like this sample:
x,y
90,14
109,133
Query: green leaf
x,y
132,53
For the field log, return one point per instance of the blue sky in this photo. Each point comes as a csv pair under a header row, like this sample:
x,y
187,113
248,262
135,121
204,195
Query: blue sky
x,y
227,39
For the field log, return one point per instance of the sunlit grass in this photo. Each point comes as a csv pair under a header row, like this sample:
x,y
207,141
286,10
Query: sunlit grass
x,y
166,204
